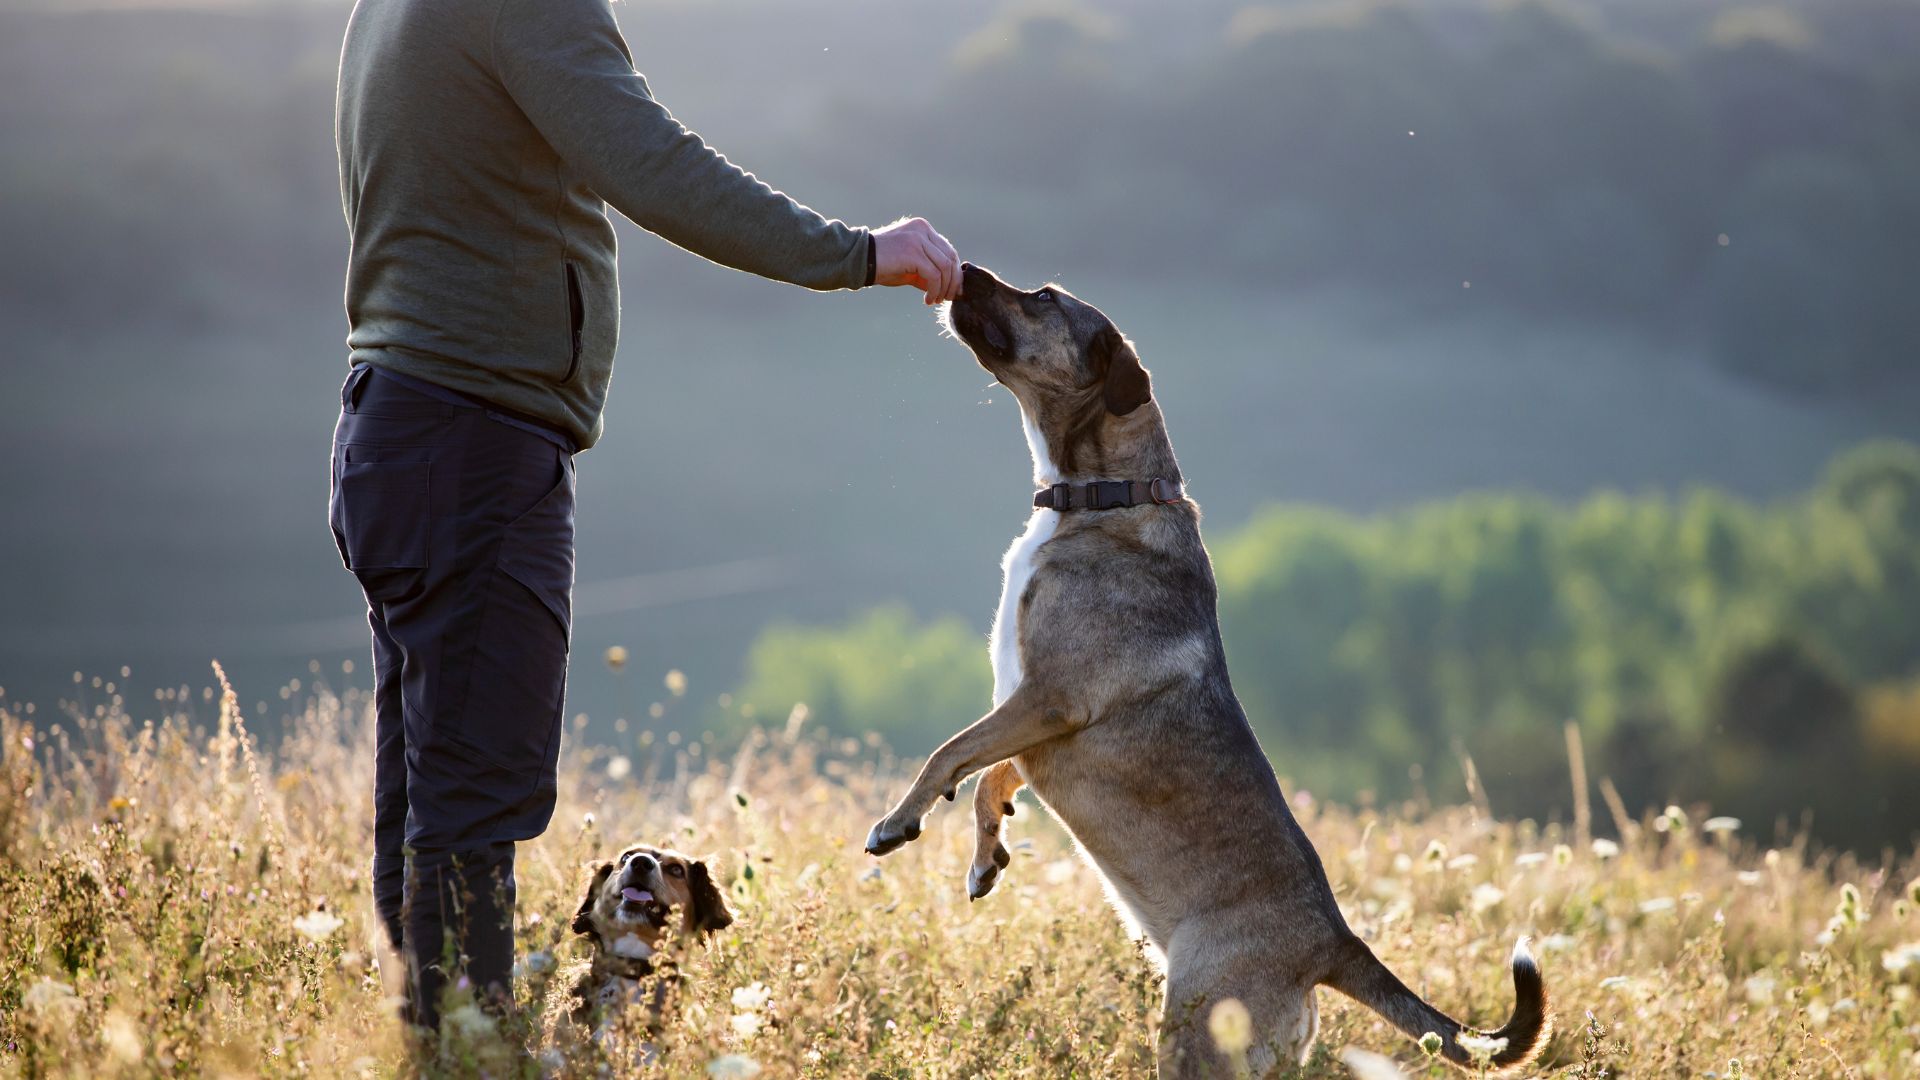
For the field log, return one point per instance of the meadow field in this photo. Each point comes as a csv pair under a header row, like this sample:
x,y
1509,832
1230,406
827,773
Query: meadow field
x,y
178,898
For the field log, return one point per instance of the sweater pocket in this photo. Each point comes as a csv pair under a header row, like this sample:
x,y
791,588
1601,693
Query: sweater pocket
x,y
576,321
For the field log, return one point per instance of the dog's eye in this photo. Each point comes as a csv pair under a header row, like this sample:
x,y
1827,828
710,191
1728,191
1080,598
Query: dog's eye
x,y
1044,294
676,870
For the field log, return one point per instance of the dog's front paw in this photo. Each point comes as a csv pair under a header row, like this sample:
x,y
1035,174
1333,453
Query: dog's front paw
x,y
983,876
890,833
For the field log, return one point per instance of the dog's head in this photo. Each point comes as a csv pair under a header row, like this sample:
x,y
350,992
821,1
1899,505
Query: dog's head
x,y
637,894
1072,371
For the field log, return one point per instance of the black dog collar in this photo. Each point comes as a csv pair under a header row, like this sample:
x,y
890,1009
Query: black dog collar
x,y
1108,494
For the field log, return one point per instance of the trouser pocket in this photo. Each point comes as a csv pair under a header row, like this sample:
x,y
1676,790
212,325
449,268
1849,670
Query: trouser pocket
x,y
517,683
381,517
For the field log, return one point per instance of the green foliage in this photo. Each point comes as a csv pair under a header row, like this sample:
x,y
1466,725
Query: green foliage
x,y
882,672
1704,644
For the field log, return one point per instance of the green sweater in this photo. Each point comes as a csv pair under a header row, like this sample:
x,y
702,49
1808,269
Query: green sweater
x,y
477,141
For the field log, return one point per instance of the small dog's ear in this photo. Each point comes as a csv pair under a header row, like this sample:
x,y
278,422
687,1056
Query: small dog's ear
x,y
583,919
710,911
1126,383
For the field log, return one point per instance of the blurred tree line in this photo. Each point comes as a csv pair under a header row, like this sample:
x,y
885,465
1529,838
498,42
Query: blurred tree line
x,y
1762,658
1748,178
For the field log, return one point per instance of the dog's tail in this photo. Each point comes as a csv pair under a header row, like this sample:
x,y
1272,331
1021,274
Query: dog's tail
x,y
1360,975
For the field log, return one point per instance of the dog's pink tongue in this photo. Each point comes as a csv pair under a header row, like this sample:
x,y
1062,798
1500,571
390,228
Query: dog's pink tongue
x,y
638,896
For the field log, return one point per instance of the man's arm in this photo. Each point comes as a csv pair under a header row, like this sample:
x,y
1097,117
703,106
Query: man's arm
x,y
567,67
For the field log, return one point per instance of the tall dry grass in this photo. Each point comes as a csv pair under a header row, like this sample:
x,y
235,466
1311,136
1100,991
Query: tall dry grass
x,y
178,899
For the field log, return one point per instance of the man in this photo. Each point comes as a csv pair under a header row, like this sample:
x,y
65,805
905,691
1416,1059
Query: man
x,y
478,140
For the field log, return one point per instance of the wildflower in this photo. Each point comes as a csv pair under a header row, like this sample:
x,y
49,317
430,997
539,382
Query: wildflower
x,y
752,997
1901,957
1616,982
1463,862
733,1067
1605,849
1430,1044
1435,856
1367,1065
470,1021
1721,825
317,926
1562,855
1913,892
121,1035
541,962
1481,1048
1759,987
618,767
50,997
746,1025
1530,858
1848,914
1748,877
1557,943
1231,1026
1656,906
1485,897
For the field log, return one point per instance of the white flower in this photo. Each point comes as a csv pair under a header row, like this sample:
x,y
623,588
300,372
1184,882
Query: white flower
x,y
733,1067
1562,855
1231,1026
540,961
746,1025
122,1038
1748,877
1482,1048
1605,849
1462,862
1901,957
1722,825
1530,858
317,926
751,997
470,1021
1556,943
1485,896
1616,982
1759,987
49,996
618,767
1061,871
1656,906
1367,1065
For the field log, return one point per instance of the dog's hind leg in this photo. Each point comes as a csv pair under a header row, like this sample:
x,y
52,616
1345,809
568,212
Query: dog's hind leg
x,y
992,802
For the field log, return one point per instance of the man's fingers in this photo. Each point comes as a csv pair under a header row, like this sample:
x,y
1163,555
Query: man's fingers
x,y
939,272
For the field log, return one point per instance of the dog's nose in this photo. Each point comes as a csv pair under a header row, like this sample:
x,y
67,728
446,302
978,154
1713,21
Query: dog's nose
x,y
976,280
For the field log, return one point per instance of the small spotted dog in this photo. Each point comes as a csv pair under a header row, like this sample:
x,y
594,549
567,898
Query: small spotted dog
x,y
627,909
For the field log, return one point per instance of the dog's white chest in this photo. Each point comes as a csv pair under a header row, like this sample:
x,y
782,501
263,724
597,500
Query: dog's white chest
x,y
1017,567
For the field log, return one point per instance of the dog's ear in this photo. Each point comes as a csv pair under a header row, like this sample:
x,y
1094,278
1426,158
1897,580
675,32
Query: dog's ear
x,y
1127,385
710,910
583,919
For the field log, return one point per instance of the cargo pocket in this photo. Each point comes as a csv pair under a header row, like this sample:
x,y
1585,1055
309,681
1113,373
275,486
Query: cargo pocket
x,y
382,521
518,682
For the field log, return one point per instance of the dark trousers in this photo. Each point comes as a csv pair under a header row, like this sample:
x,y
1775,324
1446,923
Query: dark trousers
x,y
458,524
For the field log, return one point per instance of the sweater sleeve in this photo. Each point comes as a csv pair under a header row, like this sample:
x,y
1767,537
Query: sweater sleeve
x,y
567,67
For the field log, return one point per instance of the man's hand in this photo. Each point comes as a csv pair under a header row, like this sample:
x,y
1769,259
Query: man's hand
x,y
911,252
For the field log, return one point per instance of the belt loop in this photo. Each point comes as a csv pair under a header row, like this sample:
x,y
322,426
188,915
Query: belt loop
x,y
350,391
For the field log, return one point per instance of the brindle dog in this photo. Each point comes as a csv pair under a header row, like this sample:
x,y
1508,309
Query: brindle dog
x,y
1112,702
